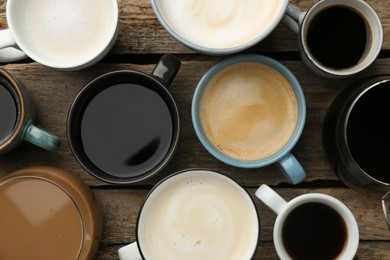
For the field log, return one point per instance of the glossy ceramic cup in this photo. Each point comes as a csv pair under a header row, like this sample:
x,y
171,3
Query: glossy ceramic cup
x,y
196,213
47,213
126,126
24,128
283,157
284,210
65,17
300,21
226,12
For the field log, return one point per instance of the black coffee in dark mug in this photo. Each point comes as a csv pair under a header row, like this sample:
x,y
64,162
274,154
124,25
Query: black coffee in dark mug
x,y
123,127
356,135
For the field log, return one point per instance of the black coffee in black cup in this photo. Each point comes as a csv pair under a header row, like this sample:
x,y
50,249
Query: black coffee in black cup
x,y
123,127
8,111
314,230
338,37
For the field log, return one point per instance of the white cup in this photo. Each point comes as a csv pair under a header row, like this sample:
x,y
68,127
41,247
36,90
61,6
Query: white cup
x,y
195,214
303,214
62,34
219,27
356,32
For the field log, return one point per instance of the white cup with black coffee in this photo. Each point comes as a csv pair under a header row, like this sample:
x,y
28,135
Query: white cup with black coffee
x,y
337,38
311,226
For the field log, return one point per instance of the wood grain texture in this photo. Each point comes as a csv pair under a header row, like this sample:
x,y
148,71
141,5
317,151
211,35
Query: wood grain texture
x,y
141,41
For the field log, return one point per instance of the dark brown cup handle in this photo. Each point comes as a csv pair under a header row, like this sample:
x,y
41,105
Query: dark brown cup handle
x,y
166,69
386,207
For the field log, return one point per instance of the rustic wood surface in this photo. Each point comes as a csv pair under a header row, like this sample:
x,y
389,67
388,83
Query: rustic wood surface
x,y
140,44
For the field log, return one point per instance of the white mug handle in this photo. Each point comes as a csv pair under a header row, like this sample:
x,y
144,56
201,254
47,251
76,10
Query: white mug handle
x,y
129,252
270,198
293,17
9,51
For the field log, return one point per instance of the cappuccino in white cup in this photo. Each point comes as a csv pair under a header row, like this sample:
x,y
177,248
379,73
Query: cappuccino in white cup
x,y
218,26
196,214
63,34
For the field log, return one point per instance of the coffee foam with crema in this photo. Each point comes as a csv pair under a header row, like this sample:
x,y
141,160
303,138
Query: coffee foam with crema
x,y
220,23
198,215
248,111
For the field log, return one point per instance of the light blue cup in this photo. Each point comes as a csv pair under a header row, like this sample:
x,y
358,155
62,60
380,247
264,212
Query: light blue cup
x,y
283,158
24,128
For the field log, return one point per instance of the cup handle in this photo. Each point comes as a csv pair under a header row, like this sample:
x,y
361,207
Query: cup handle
x,y
41,138
129,252
291,168
386,207
9,51
270,198
293,17
166,69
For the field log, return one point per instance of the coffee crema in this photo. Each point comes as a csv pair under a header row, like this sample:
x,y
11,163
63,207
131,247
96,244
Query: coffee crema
x,y
39,221
220,23
198,215
65,31
248,111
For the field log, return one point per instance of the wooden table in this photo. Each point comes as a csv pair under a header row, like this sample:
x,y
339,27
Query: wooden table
x,y
141,42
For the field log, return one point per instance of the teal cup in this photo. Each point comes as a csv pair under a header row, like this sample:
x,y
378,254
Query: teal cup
x,y
17,115
249,111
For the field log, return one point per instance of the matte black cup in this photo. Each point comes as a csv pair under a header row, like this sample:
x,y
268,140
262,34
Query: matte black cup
x,y
123,127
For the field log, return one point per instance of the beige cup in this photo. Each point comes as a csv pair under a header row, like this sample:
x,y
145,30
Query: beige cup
x,y
47,213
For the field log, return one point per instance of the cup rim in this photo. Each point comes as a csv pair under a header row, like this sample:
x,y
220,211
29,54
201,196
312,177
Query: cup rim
x,y
73,65
75,112
293,83
352,242
370,54
20,104
198,171
213,50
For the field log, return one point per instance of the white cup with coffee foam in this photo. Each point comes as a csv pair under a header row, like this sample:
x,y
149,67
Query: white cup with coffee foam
x,y
249,111
219,27
62,34
196,214
311,226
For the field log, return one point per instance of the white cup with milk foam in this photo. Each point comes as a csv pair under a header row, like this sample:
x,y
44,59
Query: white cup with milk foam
x,y
196,214
62,34
219,27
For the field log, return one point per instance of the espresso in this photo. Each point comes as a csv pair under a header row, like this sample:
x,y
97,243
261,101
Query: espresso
x,y
65,31
220,23
368,132
314,231
248,111
8,113
38,221
198,215
126,130
338,37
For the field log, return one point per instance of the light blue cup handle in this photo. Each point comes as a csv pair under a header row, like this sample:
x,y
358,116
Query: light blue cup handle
x,y
291,168
41,137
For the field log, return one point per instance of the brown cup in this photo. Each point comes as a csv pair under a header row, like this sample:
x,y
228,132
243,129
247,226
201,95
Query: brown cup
x,y
47,213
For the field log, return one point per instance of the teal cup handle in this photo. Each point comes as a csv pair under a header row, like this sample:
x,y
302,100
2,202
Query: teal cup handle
x,y
24,128
282,157
41,137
